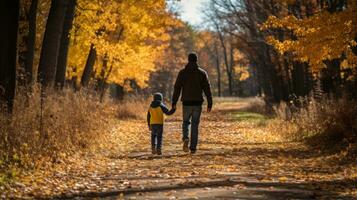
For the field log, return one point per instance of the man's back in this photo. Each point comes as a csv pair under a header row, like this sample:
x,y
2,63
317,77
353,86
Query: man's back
x,y
193,81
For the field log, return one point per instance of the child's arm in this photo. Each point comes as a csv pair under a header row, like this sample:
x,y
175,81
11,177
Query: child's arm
x,y
166,110
148,120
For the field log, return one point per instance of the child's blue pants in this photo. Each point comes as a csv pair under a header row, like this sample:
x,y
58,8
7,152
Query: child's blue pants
x,y
156,135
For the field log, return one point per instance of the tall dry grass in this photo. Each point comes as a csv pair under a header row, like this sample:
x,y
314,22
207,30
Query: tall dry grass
x,y
64,122
256,105
133,107
326,123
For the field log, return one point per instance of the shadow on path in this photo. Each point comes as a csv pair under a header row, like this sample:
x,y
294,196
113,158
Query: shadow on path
x,y
228,188
229,152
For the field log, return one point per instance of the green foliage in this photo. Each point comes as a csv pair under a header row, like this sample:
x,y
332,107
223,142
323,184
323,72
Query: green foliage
x,y
249,117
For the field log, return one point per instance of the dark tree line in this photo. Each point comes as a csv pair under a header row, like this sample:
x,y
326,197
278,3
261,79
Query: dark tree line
x,y
54,51
9,18
279,77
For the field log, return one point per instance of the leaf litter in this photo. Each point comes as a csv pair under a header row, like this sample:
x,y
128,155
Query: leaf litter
x,y
228,150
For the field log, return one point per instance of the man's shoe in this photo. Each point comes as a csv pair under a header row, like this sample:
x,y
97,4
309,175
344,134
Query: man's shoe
x,y
153,151
158,151
185,146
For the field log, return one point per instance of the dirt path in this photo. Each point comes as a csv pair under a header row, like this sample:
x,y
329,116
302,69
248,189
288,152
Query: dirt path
x,y
229,164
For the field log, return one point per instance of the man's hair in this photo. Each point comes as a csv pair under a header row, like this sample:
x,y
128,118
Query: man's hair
x,y
192,57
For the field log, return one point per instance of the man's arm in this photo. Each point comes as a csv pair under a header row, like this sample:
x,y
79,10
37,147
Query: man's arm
x,y
166,110
207,91
177,90
148,120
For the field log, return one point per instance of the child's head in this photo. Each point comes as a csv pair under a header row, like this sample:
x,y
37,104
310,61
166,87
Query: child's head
x,y
158,96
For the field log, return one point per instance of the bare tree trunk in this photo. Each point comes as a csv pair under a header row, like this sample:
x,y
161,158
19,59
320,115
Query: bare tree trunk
x,y
51,42
225,58
64,46
119,92
231,67
102,84
9,19
88,69
31,41
218,71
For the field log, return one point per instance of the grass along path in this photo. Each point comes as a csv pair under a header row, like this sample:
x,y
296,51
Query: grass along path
x,y
239,156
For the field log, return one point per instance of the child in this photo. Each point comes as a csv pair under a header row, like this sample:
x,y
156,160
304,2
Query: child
x,y
155,119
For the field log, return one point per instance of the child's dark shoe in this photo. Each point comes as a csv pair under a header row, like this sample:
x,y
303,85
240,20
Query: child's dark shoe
x,y
158,151
153,151
185,146
193,151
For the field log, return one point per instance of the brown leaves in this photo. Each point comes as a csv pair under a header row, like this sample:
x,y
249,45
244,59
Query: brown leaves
x,y
230,153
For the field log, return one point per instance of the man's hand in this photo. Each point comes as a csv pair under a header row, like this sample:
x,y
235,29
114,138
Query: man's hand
x,y
174,106
150,128
209,109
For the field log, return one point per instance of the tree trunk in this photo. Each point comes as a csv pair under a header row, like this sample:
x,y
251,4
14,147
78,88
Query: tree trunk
x,y
64,46
31,42
231,68
118,92
102,79
88,69
218,76
218,69
9,15
51,42
225,56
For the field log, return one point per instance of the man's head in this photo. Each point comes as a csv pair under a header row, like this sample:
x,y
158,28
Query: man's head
x,y
192,57
158,96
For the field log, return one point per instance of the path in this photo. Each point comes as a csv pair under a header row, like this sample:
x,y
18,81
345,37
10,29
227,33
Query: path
x,y
230,164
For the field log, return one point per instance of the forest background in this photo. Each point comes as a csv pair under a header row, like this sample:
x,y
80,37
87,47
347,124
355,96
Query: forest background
x,y
67,65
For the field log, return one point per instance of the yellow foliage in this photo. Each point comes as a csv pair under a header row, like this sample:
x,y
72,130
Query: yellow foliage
x,y
130,35
324,36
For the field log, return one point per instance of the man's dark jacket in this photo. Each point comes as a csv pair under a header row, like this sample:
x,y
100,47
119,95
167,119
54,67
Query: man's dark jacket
x,y
193,81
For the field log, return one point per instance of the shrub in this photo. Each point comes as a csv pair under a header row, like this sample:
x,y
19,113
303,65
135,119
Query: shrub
x,y
326,123
134,107
256,105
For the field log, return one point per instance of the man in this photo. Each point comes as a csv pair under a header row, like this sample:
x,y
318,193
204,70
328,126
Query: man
x,y
192,81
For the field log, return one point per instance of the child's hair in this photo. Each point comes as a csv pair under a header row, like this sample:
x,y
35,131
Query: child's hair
x,y
158,96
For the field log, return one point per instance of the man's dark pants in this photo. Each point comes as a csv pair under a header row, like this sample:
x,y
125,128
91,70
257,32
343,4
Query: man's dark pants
x,y
191,118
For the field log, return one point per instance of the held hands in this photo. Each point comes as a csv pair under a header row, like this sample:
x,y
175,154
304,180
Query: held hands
x,y
173,109
209,109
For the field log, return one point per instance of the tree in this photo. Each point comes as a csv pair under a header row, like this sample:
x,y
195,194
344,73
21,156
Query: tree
x,y
239,21
31,41
174,57
64,44
9,16
207,43
324,40
26,43
323,36
227,50
128,35
89,66
51,42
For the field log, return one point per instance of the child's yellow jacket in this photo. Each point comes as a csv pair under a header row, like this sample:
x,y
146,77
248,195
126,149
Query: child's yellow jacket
x,y
156,113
